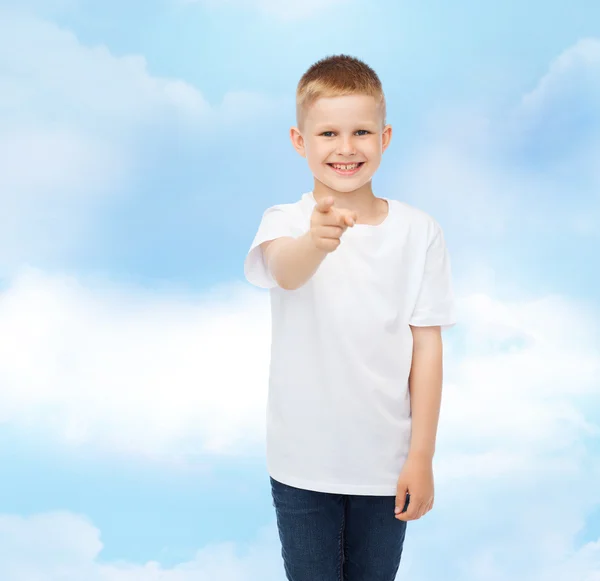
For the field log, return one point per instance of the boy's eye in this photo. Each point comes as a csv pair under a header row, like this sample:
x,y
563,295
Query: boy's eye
x,y
360,132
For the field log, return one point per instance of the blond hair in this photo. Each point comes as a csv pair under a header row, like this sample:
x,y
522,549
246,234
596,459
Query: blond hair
x,y
337,76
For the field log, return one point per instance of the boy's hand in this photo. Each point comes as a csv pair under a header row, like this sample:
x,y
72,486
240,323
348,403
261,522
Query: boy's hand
x,y
415,479
327,224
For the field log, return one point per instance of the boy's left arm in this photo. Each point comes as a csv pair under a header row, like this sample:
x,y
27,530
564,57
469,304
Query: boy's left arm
x,y
425,384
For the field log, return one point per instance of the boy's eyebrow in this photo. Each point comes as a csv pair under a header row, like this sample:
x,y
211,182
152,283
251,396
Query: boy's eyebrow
x,y
358,125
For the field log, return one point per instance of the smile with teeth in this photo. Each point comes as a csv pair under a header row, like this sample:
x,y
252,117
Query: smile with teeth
x,y
346,168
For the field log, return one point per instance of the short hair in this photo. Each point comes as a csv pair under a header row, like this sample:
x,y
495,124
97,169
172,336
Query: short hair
x,y
337,76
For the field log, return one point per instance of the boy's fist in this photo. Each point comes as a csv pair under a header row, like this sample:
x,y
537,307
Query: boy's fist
x,y
327,224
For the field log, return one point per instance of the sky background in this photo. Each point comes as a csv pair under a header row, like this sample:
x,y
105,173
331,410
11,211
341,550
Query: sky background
x,y
140,143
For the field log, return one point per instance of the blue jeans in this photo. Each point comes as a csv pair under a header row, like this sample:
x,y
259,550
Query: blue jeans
x,y
336,537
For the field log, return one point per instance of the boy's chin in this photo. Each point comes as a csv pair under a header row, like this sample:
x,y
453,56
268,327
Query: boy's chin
x,y
342,186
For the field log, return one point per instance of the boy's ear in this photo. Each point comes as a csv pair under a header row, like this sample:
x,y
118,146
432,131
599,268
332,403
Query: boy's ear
x,y
297,141
386,137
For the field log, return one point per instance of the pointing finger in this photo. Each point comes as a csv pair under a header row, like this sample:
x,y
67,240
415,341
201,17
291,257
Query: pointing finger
x,y
325,205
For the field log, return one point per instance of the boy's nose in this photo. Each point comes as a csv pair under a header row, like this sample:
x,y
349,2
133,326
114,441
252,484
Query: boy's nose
x,y
346,147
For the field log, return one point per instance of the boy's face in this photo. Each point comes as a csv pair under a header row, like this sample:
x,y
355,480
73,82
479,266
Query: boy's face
x,y
343,139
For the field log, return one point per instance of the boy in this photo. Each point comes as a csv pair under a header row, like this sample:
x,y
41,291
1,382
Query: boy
x,y
360,289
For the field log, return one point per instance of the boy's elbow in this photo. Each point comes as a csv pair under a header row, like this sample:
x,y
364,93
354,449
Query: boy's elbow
x,y
286,284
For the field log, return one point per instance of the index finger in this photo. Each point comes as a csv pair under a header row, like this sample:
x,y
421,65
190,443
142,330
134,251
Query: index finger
x,y
324,205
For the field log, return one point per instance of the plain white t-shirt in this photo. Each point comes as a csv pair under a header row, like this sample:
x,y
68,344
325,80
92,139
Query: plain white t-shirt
x,y
338,417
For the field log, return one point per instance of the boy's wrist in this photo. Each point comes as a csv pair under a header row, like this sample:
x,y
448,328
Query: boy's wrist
x,y
421,455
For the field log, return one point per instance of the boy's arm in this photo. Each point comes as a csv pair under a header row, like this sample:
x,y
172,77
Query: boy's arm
x,y
425,384
292,261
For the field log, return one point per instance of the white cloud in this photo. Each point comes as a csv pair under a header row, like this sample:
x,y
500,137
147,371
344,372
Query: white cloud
x,y
74,121
287,10
66,547
54,74
166,376
524,372
58,538
573,77
69,114
171,374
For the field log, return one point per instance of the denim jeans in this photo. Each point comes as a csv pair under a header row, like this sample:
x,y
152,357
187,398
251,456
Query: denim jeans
x,y
335,537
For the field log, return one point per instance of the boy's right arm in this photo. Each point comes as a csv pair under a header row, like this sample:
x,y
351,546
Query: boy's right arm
x,y
293,261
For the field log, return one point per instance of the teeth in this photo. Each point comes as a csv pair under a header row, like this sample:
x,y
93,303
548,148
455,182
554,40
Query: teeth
x,y
345,167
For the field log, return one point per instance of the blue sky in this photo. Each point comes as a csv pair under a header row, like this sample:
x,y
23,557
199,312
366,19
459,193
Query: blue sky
x,y
140,144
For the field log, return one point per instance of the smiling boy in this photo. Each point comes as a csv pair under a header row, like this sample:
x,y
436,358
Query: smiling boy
x,y
360,290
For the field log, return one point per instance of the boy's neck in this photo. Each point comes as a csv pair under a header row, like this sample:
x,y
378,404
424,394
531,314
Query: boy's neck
x,y
362,201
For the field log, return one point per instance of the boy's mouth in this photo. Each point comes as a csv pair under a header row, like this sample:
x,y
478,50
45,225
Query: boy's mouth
x,y
346,169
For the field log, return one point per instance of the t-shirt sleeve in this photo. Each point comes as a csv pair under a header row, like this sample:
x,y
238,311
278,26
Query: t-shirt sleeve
x,y
435,303
276,223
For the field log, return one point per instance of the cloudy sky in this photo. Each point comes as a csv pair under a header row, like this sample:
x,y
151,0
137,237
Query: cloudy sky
x,y
140,143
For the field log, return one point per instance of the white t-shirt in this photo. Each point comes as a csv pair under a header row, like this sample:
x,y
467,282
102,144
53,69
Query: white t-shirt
x,y
338,408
